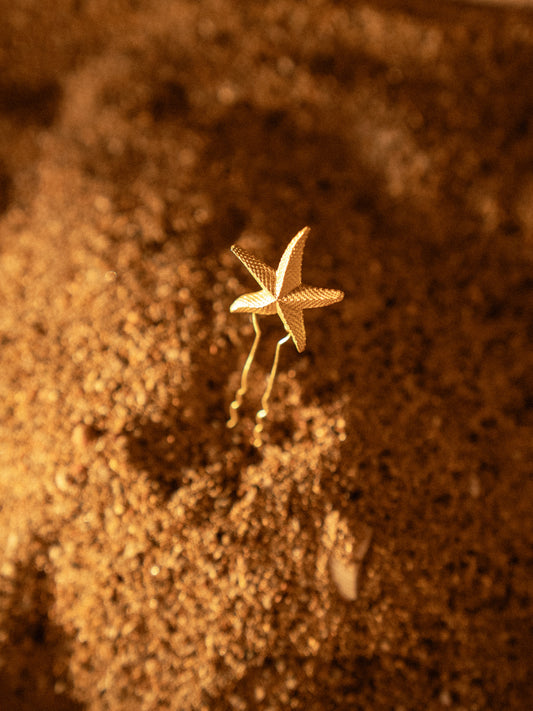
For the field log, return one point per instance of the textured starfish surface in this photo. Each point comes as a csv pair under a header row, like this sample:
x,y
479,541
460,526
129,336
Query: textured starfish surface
x,y
282,291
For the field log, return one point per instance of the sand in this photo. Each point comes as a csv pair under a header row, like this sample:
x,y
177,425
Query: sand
x,y
375,552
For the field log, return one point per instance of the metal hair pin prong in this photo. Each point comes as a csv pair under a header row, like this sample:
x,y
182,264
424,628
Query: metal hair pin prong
x,y
282,292
257,440
234,407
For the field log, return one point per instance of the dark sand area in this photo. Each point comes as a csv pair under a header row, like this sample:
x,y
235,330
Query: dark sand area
x,y
151,558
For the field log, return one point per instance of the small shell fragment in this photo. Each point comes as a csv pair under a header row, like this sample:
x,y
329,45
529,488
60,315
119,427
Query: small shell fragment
x,y
345,572
345,577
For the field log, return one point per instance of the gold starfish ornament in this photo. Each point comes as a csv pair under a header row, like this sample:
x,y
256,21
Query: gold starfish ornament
x,y
281,292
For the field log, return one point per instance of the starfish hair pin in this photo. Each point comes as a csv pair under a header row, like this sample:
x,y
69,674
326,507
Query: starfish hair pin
x,y
281,292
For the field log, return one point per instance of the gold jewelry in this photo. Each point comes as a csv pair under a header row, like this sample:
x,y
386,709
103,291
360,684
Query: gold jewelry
x,y
282,292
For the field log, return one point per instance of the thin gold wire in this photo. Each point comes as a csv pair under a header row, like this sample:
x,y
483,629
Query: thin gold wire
x,y
257,440
233,408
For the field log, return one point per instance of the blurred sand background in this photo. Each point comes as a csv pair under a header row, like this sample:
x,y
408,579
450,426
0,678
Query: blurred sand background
x,y
376,553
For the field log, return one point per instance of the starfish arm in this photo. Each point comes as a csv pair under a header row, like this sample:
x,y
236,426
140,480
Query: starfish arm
x,y
258,302
293,320
289,271
261,272
312,297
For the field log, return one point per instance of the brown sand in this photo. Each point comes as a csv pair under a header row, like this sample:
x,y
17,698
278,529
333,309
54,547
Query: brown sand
x,y
152,559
